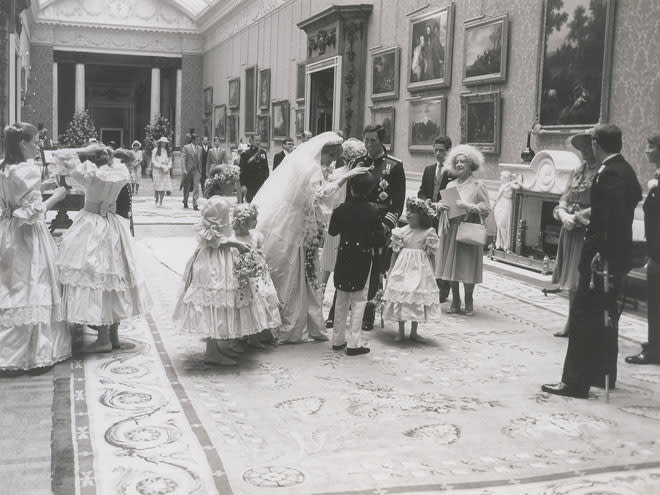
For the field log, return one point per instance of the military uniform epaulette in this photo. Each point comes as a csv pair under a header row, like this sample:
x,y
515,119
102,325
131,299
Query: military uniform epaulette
x,y
393,159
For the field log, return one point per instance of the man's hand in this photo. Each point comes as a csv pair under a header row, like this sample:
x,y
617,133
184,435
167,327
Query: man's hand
x,y
596,263
568,221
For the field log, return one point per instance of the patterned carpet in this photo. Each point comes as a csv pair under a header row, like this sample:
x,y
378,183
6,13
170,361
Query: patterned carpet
x,y
462,413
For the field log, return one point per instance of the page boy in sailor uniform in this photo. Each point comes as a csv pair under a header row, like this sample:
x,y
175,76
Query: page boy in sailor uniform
x,y
361,232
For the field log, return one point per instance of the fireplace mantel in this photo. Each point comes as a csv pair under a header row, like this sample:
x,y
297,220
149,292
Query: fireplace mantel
x,y
548,172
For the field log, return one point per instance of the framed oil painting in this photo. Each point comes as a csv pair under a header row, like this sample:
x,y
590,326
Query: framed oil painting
x,y
263,130
430,43
385,117
300,121
480,121
234,98
385,74
485,51
232,129
576,63
264,89
428,117
220,122
250,99
208,100
280,120
300,82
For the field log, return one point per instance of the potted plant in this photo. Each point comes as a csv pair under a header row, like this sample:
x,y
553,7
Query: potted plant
x,y
160,127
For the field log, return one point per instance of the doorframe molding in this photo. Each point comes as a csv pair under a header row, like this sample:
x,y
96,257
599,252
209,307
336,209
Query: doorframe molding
x,y
328,63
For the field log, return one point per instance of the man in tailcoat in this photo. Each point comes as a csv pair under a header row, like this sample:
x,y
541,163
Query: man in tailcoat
x,y
605,260
217,155
254,169
361,232
287,146
192,164
388,195
434,181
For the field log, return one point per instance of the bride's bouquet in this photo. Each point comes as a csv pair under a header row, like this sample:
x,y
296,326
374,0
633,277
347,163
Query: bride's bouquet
x,y
248,266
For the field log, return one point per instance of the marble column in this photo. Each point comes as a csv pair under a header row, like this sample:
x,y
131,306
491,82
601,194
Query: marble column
x,y
154,109
54,131
177,108
12,78
80,87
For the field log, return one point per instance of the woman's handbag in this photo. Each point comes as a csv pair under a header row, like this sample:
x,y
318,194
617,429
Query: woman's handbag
x,y
473,234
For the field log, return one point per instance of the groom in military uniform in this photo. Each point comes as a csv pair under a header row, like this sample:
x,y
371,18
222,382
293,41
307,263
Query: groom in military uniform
x,y
388,195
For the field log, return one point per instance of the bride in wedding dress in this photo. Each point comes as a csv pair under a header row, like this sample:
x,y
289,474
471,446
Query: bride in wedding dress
x,y
295,204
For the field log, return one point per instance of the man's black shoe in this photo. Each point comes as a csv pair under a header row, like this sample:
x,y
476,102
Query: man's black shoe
x,y
566,390
329,323
643,358
339,347
185,205
195,208
356,351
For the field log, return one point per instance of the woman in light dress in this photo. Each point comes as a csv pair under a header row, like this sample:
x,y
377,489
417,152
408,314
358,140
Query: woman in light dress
x,y
135,168
574,212
295,204
98,268
457,262
161,164
33,333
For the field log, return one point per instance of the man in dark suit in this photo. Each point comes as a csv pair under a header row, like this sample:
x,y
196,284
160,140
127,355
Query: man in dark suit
x,y
359,226
287,146
192,165
205,159
651,350
434,181
388,195
605,260
254,169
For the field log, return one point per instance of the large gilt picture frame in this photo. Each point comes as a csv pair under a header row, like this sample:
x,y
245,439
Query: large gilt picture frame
x,y
220,122
481,121
427,121
250,100
385,73
263,130
234,90
280,114
576,63
208,100
232,129
485,51
385,116
430,46
264,89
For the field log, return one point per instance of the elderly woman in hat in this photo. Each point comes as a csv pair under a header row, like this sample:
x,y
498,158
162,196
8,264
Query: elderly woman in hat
x,y
573,211
161,164
136,169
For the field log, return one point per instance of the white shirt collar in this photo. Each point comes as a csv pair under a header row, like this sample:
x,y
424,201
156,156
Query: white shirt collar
x,y
610,157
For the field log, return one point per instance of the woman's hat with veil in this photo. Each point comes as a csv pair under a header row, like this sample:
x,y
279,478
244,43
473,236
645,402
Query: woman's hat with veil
x,y
282,202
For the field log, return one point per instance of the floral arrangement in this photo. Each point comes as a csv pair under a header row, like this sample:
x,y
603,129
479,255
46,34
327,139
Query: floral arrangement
x,y
378,300
314,236
244,214
80,130
225,173
160,127
249,265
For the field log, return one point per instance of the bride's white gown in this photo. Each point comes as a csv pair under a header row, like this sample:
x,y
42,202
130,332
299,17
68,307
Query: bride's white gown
x,y
292,202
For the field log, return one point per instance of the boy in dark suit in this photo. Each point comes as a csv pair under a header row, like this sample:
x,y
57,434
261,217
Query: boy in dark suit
x,y
434,181
361,230
287,146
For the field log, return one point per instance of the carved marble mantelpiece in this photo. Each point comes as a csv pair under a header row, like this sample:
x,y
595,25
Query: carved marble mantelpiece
x,y
548,171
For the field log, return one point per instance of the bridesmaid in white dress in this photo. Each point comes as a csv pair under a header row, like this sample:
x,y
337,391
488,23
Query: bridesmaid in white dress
x,y
98,267
33,333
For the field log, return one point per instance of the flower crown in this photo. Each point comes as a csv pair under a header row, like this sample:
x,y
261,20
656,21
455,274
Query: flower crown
x,y
244,213
420,207
220,176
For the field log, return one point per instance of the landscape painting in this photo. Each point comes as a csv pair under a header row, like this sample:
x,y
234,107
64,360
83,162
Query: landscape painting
x,y
485,53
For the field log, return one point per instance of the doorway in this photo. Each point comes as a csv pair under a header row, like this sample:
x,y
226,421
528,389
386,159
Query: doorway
x,y
116,135
322,97
323,94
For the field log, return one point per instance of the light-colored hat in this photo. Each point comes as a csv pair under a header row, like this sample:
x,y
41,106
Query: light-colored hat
x,y
136,142
163,139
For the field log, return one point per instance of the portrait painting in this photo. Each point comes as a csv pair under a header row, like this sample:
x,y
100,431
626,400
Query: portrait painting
x,y
485,51
385,74
480,121
263,130
300,82
385,117
264,89
300,121
208,100
232,129
234,99
427,121
576,62
280,120
220,122
430,49
250,98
